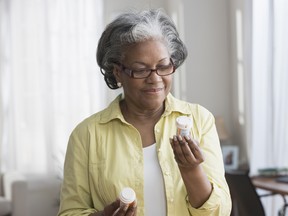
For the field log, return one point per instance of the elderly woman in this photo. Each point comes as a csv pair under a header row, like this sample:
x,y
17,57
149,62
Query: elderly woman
x,y
133,142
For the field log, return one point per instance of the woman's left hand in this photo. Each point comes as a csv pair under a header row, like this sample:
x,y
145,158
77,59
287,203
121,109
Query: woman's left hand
x,y
189,156
186,151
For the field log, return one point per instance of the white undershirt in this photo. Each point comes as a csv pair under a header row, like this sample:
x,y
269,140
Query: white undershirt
x,y
154,192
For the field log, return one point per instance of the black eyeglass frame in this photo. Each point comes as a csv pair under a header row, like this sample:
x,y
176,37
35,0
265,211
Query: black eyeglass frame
x,y
130,72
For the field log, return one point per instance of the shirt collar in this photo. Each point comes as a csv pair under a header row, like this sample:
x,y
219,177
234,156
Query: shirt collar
x,y
113,111
172,104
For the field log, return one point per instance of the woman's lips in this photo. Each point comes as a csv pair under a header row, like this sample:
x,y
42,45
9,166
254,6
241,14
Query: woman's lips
x,y
153,90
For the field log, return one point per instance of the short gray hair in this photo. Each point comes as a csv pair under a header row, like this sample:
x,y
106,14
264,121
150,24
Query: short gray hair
x,y
134,27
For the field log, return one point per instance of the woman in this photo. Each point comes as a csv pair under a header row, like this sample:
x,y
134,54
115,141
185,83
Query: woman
x,y
133,142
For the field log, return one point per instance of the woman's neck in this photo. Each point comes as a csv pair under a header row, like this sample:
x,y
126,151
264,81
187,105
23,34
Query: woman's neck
x,y
132,113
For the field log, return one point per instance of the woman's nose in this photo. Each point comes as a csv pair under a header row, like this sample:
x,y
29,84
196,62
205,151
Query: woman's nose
x,y
154,76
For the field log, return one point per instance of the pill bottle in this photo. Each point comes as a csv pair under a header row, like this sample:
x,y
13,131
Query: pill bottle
x,y
127,196
184,124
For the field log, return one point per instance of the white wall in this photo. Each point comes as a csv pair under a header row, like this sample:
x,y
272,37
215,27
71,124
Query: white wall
x,y
241,116
112,7
208,65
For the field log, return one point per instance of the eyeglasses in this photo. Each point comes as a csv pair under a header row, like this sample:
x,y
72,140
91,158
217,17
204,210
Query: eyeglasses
x,y
163,70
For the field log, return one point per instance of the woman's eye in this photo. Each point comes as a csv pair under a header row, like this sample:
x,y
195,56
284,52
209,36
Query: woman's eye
x,y
141,70
163,66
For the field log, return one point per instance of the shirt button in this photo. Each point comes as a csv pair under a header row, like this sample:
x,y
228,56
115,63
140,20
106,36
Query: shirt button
x,y
171,200
167,173
157,130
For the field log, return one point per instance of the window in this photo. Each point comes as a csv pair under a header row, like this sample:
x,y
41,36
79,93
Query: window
x,y
49,78
269,78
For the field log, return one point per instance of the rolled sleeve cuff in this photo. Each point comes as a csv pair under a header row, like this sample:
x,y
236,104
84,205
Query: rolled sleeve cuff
x,y
212,206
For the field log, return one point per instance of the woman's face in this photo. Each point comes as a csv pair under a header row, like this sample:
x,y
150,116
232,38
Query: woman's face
x,y
147,93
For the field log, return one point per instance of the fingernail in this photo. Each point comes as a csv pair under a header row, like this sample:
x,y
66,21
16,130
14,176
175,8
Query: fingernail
x,y
135,204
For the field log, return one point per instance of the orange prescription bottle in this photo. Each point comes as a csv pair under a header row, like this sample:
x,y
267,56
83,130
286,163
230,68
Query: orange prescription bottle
x,y
127,196
184,124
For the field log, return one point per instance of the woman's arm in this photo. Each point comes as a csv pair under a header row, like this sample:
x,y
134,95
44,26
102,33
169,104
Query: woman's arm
x,y
202,169
189,158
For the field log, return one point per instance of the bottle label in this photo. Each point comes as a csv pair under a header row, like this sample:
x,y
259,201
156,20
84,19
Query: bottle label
x,y
184,125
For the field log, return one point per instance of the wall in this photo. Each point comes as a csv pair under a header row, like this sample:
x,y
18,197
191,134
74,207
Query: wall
x,y
241,51
216,52
209,75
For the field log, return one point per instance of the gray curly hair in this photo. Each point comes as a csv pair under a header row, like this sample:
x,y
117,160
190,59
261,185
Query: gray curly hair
x,y
134,27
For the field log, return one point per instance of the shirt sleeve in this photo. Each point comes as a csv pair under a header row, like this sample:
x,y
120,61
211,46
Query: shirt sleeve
x,y
75,198
219,202
214,206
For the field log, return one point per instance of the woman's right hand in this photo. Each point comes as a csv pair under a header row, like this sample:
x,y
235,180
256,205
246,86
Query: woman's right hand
x,y
114,209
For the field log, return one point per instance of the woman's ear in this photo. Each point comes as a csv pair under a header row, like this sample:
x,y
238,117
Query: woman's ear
x,y
116,72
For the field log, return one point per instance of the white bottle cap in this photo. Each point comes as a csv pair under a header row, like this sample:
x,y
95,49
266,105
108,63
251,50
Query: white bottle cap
x,y
127,195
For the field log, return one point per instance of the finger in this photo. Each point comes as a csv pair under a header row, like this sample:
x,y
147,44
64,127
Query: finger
x,y
115,204
188,154
171,142
178,153
116,212
122,210
195,149
108,210
132,209
135,203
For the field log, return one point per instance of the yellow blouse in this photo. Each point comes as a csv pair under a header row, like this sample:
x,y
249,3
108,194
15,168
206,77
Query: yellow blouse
x,y
105,154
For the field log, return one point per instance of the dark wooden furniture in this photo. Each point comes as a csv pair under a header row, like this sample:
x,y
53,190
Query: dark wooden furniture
x,y
270,183
245,199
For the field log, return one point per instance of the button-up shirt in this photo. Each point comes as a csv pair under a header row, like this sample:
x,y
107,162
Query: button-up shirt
x,y
105,154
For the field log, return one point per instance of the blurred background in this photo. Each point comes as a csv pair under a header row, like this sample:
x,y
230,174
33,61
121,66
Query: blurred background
x,y
49,80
